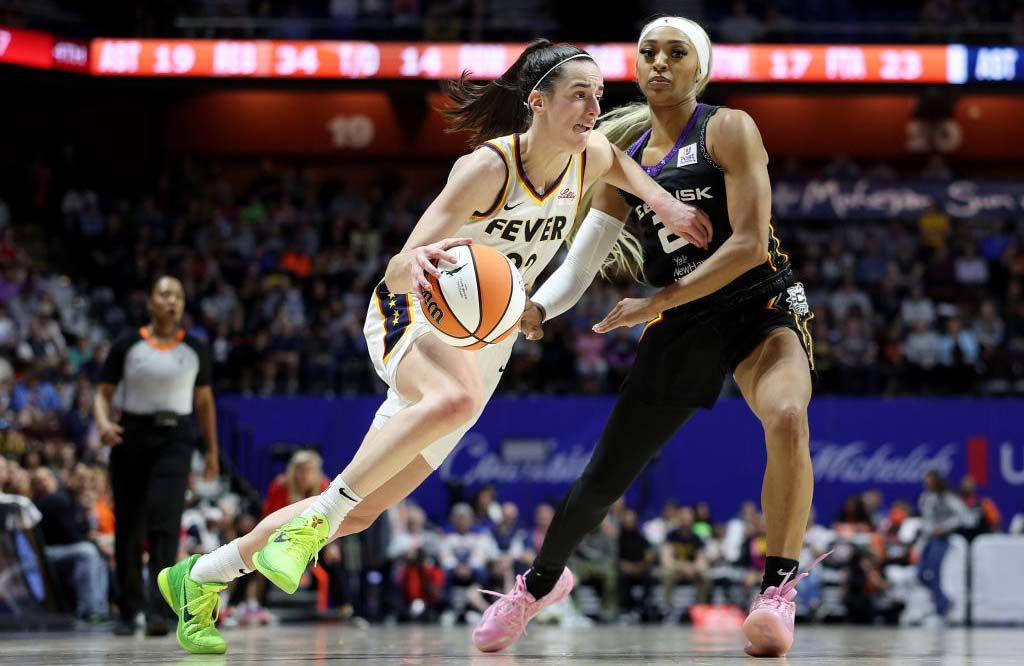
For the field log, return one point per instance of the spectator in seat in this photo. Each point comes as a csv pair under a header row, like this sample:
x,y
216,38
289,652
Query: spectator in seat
x,y
921,349
36,403
465,555
413,536
419,578
510,540
486,505
982,514
857,356
989,327
542,516
77,561
703,525
656,529
864,590
934,226
636,564
849,299
853,517
304,477
683,559
596,560
897,551
421,583
917,306
753,553
959,353
874,506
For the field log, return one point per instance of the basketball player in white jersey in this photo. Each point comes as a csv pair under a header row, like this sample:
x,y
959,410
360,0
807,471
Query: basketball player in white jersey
x,y
518,193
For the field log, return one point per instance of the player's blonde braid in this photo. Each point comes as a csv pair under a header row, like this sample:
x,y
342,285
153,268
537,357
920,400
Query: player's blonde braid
x,y
622,126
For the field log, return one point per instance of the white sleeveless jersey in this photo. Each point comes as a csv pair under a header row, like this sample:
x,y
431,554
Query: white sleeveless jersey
x,y
526,225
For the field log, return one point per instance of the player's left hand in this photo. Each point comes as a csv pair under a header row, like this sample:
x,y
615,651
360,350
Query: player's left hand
x,y
686,221
531,323
628,312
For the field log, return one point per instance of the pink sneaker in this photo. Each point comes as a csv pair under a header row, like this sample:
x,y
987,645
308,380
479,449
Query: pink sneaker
x,y
769,626
507,617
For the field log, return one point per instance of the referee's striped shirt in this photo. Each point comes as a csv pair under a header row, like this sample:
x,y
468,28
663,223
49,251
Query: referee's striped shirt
x,y
153,377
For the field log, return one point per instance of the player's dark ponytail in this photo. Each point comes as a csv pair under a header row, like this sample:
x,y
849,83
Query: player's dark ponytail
x,y
500,107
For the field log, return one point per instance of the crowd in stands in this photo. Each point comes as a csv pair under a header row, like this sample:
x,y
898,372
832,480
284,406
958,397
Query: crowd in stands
x,y
631,569
743,21
278,266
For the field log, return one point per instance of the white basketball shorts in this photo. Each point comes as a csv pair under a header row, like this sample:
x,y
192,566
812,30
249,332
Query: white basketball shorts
x,y
393,323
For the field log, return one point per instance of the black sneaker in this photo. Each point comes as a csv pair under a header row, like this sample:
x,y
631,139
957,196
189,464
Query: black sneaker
x,y
124,628
156,625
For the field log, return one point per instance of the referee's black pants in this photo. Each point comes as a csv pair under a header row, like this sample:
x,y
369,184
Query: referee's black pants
x,y
149,475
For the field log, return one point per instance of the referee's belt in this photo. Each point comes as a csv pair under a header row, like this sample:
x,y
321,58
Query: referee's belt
x,y
759,291
161,419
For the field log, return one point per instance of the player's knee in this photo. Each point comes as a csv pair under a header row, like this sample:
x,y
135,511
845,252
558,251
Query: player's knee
x,y
455,406
787,423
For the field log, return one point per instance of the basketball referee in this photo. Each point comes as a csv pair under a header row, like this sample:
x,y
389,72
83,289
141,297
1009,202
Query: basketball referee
x,y
153,376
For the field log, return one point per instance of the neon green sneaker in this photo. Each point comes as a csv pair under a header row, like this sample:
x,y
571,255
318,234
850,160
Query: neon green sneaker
x,y
197,606
290,549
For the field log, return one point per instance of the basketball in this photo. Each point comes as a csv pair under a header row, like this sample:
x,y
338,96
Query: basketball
x,y
477,301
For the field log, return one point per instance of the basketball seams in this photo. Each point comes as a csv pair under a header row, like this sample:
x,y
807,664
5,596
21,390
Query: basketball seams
x,y
443,302
508,301
439,298
479,295
514,311
447,316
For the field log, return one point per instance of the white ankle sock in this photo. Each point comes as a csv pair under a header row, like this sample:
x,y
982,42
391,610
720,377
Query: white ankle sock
x,y
335,503
220,566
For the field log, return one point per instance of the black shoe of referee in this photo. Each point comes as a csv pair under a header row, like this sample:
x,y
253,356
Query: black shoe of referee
x,y
156,625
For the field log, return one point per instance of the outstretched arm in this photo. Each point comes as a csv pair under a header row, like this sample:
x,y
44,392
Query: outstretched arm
x,y
609,164
594,240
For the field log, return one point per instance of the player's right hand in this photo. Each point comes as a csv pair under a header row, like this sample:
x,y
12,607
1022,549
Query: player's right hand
x,y
531,323
687,222
426,257
111,434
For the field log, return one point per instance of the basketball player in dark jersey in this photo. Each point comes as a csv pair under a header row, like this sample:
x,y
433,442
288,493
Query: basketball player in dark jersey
x,y
732,307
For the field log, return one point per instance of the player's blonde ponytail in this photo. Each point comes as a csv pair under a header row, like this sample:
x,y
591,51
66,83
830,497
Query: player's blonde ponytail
x,y
622,126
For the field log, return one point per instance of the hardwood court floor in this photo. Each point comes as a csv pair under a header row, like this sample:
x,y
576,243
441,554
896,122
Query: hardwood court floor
x,y
639,646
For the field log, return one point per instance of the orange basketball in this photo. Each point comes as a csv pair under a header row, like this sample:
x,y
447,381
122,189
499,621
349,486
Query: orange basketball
x,y
477,301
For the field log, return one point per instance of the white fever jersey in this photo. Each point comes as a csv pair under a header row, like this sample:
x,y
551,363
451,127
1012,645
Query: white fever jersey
x,y
527,225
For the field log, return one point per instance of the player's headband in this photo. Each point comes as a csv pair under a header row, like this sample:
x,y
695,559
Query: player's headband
x,y
560,63
693,32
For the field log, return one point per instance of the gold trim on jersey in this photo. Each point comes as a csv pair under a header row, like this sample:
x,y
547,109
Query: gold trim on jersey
x,y
778,248
500,201
583,175
803,326
652,322
525,181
